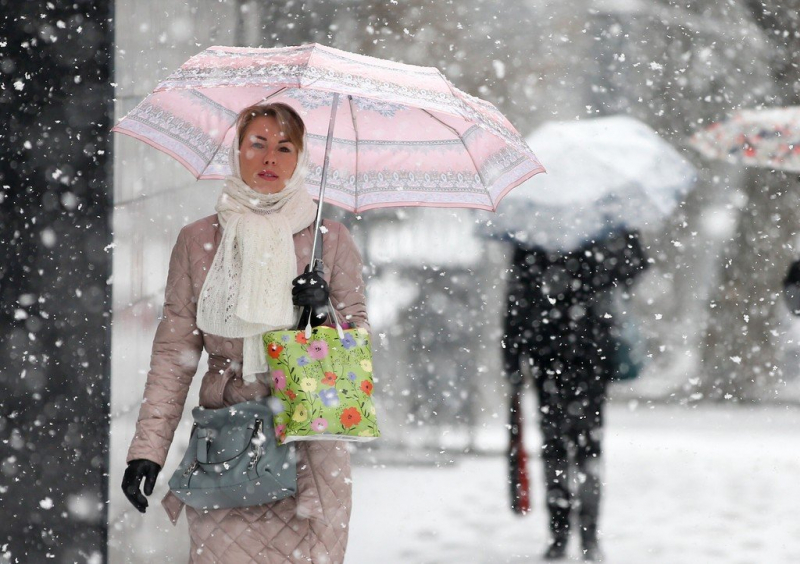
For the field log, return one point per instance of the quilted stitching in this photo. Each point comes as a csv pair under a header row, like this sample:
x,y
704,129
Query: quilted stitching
x,y
272,533
266,533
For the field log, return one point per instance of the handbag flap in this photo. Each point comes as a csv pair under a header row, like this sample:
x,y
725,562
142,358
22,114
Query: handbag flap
x,y
225,434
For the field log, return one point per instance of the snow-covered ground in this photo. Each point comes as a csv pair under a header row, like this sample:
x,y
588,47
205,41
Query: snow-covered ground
x,y
683,485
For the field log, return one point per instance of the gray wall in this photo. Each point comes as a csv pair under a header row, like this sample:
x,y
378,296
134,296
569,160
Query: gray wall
x,y
154,197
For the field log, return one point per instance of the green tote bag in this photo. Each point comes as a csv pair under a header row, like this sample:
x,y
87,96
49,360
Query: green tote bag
x,y
322,378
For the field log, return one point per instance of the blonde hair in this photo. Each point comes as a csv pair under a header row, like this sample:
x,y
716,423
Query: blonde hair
x,y
288,119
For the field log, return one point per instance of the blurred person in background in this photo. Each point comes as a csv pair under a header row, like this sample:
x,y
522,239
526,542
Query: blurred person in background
x,y
791,288
561,332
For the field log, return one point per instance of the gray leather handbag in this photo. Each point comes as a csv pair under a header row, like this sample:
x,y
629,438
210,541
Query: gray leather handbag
x,y
233,459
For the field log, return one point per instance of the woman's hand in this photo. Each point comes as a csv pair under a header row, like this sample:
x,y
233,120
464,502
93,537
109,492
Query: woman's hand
x,y
310,289
132,480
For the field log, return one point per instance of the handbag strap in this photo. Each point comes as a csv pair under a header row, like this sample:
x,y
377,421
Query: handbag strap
x,y
332,313
216,393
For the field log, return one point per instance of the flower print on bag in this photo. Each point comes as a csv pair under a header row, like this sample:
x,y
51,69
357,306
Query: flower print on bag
x,y
317,349
352,376
280,431
303,361
308,385
350,417
366,365
348,342
291,395
366,433
300,414
329,379
300,337
319,424
278,380
366,387
329,397
274,350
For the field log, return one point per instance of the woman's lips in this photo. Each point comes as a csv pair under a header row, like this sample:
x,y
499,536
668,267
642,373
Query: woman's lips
x,y
267,175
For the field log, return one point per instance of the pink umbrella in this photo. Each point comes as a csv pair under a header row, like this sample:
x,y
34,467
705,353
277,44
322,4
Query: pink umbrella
x,y
380,133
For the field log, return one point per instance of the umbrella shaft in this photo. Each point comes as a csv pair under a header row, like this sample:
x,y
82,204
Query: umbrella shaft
x,y
323,181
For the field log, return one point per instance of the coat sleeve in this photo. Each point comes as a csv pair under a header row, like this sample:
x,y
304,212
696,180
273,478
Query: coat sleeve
x,y
176,353
516,317
347,281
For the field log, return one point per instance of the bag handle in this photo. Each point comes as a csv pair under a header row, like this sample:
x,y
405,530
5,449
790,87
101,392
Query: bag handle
x,y
331,313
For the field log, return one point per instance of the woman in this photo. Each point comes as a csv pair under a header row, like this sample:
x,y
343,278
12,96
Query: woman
x,y
230,280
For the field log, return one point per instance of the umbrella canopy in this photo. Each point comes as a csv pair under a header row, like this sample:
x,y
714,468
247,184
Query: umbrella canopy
x,y
768,138
403,134
604,174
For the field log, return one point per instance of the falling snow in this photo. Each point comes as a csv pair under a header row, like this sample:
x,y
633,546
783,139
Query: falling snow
x,y
700,455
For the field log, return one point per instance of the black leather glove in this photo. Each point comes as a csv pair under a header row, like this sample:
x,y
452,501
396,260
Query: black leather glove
x,y
310,289
132,480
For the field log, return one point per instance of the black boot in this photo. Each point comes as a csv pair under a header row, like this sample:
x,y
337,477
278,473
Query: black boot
x,y
557,550
592,553
589,544
559,532
556,470
589,490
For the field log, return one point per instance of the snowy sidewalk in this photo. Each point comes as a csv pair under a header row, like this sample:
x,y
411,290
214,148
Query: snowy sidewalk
x,y
703,485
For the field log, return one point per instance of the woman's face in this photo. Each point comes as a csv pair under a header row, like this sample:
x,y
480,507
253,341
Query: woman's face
x,y
267,158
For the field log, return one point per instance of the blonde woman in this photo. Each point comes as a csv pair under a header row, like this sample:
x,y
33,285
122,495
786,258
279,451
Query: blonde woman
x,y
233,276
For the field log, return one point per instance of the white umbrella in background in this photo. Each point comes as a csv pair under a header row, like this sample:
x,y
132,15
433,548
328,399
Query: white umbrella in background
x,y
603,174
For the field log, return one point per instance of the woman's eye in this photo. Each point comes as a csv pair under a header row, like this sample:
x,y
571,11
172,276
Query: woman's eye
x,y
285,150
258,145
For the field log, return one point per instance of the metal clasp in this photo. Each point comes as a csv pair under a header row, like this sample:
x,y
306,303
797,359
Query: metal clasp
x,y
192,467
257,440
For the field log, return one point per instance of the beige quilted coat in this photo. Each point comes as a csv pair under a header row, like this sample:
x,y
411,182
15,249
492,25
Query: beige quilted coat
x,y
314,525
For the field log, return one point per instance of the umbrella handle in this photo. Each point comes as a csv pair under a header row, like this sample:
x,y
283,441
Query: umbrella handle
x,y
325,163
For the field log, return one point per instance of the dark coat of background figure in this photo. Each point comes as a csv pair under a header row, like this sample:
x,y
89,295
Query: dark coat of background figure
x,y
559,322
791,288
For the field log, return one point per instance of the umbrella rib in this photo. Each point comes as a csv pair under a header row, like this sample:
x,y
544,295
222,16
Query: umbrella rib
x,y
278,91
355,130
460,138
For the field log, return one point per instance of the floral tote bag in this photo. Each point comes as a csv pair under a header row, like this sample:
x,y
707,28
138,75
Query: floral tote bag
x,y
321,380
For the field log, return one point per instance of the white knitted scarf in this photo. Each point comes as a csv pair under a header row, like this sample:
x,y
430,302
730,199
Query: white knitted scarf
x,y
248,290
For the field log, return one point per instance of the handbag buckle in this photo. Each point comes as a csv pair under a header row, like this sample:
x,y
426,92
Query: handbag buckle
x,y
192,467
257,440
